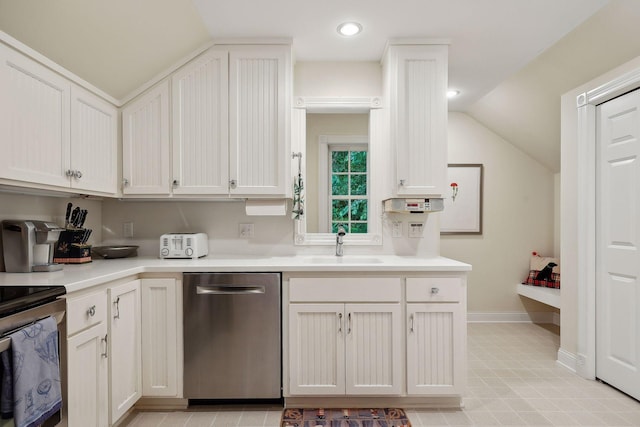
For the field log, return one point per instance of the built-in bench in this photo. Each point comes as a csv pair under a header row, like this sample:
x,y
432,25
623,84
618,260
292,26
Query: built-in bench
x,y
549,296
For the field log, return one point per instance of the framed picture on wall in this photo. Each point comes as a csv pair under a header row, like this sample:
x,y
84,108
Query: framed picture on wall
x,y
463,206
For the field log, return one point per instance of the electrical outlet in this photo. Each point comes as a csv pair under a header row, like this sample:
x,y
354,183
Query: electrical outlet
x,y
127,229
415,229
396,229
245,230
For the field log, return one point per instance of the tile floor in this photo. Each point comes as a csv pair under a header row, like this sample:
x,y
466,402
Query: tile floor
x,y
513,381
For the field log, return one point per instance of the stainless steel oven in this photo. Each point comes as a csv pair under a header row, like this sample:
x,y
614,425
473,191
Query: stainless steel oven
x,y
22,306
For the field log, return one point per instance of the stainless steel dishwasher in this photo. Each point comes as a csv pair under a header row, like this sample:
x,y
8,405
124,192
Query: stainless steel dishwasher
x,y
232,336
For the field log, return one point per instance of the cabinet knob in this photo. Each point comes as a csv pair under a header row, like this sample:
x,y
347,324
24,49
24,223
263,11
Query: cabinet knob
x,y
402,181
92,311
78,174
70,173
434,291
125,182
233,183
175,183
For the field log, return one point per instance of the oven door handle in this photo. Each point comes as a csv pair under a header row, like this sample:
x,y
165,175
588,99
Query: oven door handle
x,y
229,290
5,341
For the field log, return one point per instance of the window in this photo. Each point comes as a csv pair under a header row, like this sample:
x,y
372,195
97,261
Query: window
x,y
348,189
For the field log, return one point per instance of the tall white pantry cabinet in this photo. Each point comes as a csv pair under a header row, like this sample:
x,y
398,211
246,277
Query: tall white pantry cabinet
x,y
229,111
53,133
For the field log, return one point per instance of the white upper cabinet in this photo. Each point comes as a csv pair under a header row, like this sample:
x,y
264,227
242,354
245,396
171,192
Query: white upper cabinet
x,y
145,143
416,86
94,139
259,93
52,132
200,125
230,118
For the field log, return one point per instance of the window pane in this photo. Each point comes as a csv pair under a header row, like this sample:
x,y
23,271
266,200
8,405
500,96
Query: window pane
x,y
359,185
339,185
358,161
339,161
335,225
358,227
340,210
359,210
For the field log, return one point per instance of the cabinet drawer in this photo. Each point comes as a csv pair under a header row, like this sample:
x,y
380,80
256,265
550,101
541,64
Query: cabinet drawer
x,y
86,311
339,289
434,289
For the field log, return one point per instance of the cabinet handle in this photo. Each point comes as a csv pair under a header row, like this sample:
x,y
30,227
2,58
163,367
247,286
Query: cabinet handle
x,y
233,183
175,183
78,174
117,304
104,340
92,311
349,323
339,322
434,291
411,322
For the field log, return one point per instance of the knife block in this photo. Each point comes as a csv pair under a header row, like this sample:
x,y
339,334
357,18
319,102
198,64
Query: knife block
x,y
70,250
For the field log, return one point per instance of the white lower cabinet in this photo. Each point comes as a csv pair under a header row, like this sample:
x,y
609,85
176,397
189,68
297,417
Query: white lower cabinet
x,y
103,348
161,341
125,371
347,347
436,336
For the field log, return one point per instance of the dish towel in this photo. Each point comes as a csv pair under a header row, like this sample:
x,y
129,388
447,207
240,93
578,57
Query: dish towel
x,y
37,392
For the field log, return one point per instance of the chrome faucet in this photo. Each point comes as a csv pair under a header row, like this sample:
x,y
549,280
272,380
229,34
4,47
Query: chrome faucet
x,y
339,235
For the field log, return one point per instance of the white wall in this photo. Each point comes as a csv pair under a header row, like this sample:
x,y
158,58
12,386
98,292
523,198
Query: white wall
x,y
569,204
518,217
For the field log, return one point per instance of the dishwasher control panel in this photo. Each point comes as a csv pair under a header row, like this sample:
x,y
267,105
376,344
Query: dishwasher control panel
x,y
184,245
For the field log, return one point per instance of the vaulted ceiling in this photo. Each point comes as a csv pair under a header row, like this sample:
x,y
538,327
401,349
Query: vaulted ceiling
x,y
511,59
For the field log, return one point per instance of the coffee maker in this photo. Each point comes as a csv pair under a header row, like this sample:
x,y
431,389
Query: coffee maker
x,y
28,245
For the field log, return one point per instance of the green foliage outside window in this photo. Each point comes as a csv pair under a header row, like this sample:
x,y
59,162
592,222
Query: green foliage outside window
x,y
349,196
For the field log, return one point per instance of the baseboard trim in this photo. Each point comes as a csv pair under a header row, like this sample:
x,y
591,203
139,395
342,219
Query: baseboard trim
x,y
567,360
521,317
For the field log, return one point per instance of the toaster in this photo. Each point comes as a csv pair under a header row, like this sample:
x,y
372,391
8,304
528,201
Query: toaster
x,y
184,245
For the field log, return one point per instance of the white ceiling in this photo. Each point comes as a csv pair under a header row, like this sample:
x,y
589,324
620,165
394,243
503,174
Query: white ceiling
x,y
490,39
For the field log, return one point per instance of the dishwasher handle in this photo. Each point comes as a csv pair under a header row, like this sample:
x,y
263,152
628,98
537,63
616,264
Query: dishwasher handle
x,y
228,290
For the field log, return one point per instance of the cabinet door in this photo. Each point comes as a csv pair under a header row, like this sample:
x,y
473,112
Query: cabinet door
x,y
200,126
124,344
419,118
373,349
161,367
34,130
259,158
316,349
87,386
145,143
435,348
94,143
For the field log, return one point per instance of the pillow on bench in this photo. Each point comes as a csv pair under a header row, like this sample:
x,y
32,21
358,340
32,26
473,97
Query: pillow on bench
x,y
543,271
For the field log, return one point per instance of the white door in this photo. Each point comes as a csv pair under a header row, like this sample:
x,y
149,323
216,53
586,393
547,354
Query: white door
x,y
124,344
316,349
618,244
34,129
145,143
94,142
161,366
200,125
87,386
373,352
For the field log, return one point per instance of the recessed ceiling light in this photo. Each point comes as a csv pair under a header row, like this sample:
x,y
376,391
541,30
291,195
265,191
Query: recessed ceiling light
x,y
349,29
452,93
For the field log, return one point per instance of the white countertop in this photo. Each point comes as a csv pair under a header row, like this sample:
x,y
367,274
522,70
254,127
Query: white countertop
x,y
78,277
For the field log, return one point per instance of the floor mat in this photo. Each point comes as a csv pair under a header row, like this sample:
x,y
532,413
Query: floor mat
x,y
387,417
